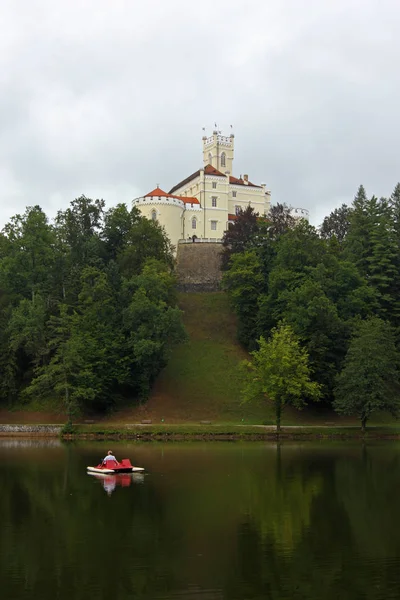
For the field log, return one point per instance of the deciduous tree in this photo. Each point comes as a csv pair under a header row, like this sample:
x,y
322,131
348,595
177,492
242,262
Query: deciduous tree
x,y
279,373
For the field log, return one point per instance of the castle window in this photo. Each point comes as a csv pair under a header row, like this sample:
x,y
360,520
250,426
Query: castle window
x,y
234,194
214,225
214,184
214,201
194,223
154,215
210,158
237,210
223,159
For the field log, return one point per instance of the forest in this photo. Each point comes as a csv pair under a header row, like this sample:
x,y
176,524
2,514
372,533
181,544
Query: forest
x,y
337,289
89,315
88,310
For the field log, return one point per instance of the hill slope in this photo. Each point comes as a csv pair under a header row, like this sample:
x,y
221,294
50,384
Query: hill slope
x,y
201,380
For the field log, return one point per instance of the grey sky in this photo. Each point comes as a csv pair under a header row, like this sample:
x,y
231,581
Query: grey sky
x,y
108,98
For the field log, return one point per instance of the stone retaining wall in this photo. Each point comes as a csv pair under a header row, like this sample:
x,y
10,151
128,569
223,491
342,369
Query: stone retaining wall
x,y
198,267
30,430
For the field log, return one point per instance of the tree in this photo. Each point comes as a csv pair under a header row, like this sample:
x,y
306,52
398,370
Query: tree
x,y
146,239
315,320
394,206
245,283
27,255
27,329
297,252
336,224
371,246
151,324
238,237
279,373
118,222
59,378
370,379
300,248
80,225
280,220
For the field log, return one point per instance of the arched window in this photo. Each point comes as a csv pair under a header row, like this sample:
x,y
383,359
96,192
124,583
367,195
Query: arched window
x,y
209,158
194,223
223,159
154,215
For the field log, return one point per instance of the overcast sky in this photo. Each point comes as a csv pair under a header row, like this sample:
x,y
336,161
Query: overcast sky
x,y
107,98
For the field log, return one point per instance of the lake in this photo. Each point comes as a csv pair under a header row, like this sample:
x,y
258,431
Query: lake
x,y
206,521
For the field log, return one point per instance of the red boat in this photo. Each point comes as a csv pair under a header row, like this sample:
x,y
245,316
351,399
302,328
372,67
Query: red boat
x,y
112,466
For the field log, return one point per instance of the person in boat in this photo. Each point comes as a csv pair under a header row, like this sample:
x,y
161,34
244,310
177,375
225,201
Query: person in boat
x,y
110,456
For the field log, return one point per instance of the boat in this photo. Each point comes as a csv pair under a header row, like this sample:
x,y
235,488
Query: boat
x,y
112,466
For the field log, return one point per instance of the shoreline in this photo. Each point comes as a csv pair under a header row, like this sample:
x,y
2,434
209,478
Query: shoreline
x,y
206,432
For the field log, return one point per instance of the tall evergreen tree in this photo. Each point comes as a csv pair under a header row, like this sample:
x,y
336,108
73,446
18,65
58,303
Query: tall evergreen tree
x,y
370,379
370,244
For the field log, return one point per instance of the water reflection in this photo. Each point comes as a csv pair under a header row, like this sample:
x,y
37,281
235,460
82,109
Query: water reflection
x,y
110,481
232,521
16,442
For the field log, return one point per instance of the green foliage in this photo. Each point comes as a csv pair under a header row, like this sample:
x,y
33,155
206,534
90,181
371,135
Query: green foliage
x,y
315,320
244,281
68,429
279,373
321,284
87,306
337,224
240,234
151,325
370,379
146,239
280,221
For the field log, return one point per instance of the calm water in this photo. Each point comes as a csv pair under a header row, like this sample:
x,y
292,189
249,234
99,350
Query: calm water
x,y
210,520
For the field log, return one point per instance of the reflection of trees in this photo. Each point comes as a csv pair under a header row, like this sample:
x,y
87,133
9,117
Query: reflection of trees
x,y
279,503
300,523
60,537
331,552
368,487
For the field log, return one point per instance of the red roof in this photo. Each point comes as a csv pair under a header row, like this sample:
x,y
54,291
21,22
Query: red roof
x,y
157,192
188,200
208,170
160,193
236,181
232,217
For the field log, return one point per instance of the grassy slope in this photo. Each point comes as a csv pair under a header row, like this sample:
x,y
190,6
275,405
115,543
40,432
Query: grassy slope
x,y
201,380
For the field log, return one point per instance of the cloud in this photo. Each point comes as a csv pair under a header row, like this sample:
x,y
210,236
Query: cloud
x,y
108,99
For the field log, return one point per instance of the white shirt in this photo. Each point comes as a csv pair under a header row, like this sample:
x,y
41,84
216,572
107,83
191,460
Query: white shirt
x,y
110,457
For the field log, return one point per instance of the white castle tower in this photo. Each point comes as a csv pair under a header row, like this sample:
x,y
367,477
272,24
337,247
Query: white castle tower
x,y
218,152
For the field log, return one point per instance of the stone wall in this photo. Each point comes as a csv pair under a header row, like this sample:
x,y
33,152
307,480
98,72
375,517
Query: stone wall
x,y
199,267
31,430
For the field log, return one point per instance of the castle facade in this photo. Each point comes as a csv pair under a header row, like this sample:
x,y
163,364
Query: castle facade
x,y
201,206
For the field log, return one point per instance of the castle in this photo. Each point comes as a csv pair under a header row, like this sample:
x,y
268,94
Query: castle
x,y
201,206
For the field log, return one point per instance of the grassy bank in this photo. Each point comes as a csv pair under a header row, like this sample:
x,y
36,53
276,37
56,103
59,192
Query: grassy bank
x,y
230,432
